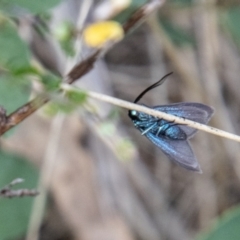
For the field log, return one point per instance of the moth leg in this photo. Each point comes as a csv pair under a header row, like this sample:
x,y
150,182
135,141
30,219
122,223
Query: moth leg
x,y
162,127
148,129
176,132
171,124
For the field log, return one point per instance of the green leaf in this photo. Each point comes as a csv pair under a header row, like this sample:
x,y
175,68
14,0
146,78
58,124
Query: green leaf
x,y
76,96
54,107
34,6
230,21
51,82
14,213
226,227
64,33
14,53
23,72
73,99
14,92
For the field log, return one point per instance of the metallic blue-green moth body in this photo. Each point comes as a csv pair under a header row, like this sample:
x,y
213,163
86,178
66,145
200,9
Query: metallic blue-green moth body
x,y
170,137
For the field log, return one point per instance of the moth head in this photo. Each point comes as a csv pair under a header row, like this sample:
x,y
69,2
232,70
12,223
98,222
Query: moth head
x,y
133,114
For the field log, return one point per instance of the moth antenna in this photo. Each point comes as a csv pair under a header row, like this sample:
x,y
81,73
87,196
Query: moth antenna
x,y
156,84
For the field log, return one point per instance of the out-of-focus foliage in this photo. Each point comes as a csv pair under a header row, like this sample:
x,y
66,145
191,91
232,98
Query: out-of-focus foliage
x,y
178,35
14,213
14,92
73,99
78,97
35,7
14,64
59,105
64,33
50,81
228,3
226,227
231,22
14,52
181,2
16,68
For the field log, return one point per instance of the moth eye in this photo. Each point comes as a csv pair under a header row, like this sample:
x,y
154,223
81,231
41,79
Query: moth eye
x,y
133,114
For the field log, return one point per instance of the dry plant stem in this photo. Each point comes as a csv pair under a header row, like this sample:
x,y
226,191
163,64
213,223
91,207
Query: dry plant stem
x,y
19,193
168,117
78,45
23,112
141,14
82,68
49,162
204,19
47,170
78,71
7,192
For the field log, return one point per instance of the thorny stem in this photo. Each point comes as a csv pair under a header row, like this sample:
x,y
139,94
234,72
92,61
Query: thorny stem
x,y
78,71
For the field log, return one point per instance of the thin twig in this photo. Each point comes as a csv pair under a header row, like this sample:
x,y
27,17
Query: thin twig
x,y
7,192
49,161
47,170
140,14
78,70
168,117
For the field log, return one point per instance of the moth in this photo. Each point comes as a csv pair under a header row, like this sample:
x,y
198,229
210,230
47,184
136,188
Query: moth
x,y
170,137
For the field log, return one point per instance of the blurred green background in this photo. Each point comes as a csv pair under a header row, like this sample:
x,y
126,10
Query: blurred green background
x,y
107,181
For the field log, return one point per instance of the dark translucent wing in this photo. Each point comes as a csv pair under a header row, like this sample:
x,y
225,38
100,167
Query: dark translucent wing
x,y
178,151
193,111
